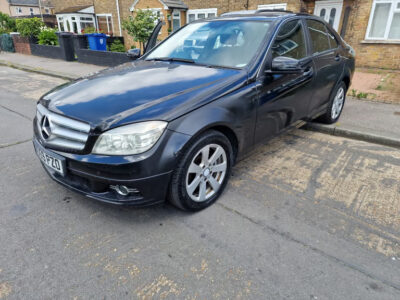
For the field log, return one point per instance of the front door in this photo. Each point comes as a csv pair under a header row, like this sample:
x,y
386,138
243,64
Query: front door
x,y
330,11
285,98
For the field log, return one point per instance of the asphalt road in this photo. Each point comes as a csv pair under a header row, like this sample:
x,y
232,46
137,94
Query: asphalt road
x,y
306,216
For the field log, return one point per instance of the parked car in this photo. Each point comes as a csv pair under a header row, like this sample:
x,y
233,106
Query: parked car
x,y
171,124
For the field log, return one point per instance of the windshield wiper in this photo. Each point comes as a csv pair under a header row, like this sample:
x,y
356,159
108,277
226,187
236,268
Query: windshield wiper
x,y
191,61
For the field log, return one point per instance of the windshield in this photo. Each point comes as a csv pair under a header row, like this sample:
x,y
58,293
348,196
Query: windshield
x,y
218,43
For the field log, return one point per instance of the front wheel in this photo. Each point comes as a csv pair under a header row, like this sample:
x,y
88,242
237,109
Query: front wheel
x,y
202,173
336,105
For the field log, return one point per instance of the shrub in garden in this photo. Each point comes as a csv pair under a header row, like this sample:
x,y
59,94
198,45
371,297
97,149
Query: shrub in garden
x,y
117,46
7,24
48,36
30,27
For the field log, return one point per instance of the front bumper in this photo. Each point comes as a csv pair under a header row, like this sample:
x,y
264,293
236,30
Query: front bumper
x,y
94,175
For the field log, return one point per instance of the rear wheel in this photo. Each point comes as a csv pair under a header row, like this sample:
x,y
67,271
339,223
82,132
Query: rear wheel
x,y
336,105
202,173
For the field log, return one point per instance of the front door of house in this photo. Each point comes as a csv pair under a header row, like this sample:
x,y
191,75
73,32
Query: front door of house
x,y
330,11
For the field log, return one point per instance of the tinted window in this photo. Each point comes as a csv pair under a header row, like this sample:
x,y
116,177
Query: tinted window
x,y
332,40
319,36
290,41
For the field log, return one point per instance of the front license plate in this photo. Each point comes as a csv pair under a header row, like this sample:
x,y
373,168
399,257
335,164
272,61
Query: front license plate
x,y
50,160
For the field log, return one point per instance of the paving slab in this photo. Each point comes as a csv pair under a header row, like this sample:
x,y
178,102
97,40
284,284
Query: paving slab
x,y
48,66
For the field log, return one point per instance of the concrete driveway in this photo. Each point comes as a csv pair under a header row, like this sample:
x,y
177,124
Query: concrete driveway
x,y
306,216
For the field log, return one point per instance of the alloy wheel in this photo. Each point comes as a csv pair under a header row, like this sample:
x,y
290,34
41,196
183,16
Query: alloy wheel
x,y
206,172
338,102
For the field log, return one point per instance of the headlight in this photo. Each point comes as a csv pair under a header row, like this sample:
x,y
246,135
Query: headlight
x,y
130,139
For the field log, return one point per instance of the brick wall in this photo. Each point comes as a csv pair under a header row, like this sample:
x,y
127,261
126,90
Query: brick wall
x,y
21,44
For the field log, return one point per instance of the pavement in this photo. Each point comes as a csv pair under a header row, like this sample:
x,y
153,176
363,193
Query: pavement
x,y
305,216
367,121
47,66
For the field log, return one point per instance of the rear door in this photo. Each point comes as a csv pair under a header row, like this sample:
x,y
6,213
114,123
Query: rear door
x,y
327,61
284,98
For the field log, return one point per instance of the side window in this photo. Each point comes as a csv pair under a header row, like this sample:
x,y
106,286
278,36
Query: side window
x,y
332,40
290,41
319,36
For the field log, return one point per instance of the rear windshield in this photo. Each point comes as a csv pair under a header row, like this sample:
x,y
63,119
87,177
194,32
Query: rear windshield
x,y
219,43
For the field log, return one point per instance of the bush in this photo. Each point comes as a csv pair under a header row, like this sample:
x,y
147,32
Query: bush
x,y
7,24
117,46
29,27
48,36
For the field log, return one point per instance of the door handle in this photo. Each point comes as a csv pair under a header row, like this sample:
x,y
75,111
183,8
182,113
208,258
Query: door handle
x,y
337,57
308,71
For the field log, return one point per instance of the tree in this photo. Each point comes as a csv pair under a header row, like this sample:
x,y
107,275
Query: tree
x,y
141,26
7,24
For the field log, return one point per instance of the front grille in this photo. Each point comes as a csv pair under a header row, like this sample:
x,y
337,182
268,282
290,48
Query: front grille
x,y
60,131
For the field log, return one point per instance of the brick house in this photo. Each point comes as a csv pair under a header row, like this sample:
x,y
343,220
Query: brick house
x,y
372,27
23,8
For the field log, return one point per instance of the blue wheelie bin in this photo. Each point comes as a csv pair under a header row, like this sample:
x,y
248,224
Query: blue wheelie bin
x,y
97,41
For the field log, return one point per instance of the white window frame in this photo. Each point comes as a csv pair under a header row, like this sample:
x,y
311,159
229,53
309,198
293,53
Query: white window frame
x,y
273,6
107,16
196,12
67,18
176,11
393,10
18,10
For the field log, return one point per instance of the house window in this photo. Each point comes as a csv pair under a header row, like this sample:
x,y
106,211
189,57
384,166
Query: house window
x,y
18,10
46,10
104,21
273,6
176,20
61,24
384,22
31,11
75,23
196,14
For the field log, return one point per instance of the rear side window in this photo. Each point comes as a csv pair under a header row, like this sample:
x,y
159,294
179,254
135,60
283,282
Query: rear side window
x,y
290,41
332,40
319,36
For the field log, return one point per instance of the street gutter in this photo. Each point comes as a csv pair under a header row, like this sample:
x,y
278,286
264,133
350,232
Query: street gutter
x,y
353,134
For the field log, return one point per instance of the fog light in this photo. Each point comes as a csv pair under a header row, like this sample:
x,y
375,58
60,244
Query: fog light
x,y
123,190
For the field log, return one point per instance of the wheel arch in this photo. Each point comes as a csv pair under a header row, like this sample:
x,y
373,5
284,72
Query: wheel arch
x,y
217,118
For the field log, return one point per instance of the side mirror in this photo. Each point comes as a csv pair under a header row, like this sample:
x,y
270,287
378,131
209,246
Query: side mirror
x,y
133,53
283,64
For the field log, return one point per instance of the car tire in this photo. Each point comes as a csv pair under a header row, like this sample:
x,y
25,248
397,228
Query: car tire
x,y
202,173
336,105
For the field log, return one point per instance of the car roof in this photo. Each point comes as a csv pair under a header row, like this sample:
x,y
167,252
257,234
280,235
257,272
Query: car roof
x,y
261,14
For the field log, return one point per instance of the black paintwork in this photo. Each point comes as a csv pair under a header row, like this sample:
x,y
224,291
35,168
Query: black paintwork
x,y
249,105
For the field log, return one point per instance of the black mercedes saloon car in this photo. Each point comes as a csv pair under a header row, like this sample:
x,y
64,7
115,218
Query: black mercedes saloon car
x,y
170,124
